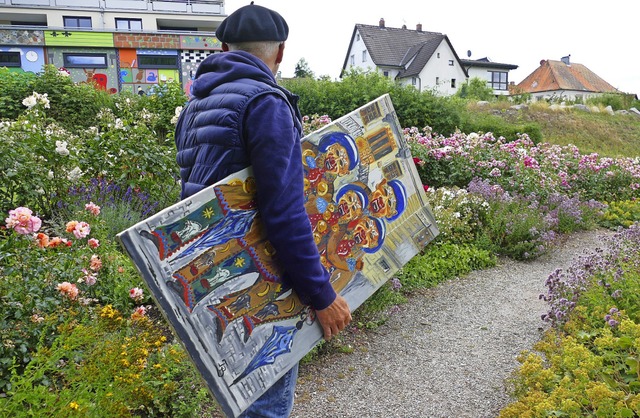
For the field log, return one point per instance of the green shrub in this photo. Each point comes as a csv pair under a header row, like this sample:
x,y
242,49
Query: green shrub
x,y
587,364
387,296
44,160
476,89
162,104
337,98
57,275
40,160
109,367
14,87
440,262
74,106
623,213
615,100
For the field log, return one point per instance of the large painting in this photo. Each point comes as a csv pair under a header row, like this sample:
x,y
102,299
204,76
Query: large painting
x,y
216,277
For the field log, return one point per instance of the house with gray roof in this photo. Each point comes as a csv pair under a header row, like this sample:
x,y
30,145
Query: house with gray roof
x,y
423,59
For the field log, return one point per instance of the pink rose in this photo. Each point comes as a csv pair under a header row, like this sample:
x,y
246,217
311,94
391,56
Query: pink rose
x,y
92,208
81,230
93,243
95,263
22,221
70,290
136,294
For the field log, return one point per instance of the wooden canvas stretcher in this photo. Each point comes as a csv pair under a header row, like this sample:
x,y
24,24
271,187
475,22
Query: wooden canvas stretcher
x,y
216,278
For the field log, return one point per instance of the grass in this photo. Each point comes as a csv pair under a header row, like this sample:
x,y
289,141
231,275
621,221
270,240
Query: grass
x,y
607,135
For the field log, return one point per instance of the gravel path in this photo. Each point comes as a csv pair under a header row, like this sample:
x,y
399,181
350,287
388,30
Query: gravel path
x,y
447,353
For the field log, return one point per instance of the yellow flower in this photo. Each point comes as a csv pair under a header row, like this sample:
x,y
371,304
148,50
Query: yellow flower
x,y
74,405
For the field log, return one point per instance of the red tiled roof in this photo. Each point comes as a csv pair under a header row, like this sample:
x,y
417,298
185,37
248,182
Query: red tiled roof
x,y
556,75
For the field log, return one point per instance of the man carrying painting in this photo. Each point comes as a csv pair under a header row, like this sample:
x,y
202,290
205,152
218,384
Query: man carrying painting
x,y
239,117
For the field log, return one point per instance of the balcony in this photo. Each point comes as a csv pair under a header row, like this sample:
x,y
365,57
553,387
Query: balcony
x,y
205,7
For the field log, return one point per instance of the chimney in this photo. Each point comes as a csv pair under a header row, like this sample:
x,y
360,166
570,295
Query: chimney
x,y
381,22
419,27
566,60
404,26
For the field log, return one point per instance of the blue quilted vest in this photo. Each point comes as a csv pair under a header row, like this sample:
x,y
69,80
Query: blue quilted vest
x,y
209,134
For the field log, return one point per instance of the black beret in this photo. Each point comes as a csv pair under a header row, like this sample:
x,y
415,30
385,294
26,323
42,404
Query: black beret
x,y
253,23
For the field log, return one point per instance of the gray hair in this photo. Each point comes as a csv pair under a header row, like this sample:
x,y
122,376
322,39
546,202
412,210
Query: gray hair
x,y
258,48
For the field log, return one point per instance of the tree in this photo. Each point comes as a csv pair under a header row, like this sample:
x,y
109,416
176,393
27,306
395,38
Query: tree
x,y
302,69
477,89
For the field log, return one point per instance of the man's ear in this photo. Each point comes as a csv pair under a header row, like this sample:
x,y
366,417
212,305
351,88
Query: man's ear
x,y
225,47
280,53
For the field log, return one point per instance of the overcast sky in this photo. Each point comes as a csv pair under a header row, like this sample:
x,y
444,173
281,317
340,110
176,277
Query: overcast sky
x,y
603,36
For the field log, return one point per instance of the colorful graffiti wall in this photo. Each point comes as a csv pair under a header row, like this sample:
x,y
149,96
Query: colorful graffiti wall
x,y
115,62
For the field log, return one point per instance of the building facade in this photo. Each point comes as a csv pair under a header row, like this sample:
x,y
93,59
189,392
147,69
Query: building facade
x,y
121,45
423,59
494,73
563,80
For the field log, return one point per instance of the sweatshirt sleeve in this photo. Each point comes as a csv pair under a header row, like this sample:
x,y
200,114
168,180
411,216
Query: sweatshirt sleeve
x,y
276,157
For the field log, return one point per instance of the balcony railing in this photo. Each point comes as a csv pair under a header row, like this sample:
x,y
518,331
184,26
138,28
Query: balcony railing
x,y
155,6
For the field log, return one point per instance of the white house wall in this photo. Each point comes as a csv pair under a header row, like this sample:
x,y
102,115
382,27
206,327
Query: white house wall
x,y
562,95
356,50
438,68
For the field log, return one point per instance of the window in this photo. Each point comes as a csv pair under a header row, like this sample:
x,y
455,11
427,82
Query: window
x,y
438,55
413,81
177,28
364,56
157,61
357,36
76,22
85,60
128,24
385,73
453,83
451,63
499,80
352,60
9,59
437,80
24,23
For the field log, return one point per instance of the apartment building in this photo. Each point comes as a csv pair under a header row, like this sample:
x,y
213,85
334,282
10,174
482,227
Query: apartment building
x,y
121,45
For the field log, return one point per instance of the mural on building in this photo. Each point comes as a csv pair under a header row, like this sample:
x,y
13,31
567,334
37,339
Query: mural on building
x,y
103,72
31,58
190,60
112,60
132,77
194,50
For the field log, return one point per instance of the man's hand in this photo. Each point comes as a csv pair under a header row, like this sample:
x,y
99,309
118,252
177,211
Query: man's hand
x,y
335,317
